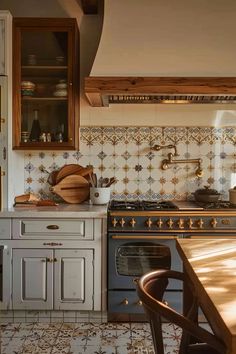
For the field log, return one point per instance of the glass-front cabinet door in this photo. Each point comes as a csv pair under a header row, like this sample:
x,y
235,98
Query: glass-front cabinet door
x,y
45,83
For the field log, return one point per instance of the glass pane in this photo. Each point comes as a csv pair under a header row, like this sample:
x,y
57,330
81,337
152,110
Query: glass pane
x,y
44,86
137,259
44,48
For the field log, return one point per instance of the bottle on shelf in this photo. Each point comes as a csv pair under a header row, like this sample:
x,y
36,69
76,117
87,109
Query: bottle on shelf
x,y
35,130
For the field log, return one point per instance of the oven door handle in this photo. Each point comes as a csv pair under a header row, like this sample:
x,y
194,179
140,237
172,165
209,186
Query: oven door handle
x,y
143,237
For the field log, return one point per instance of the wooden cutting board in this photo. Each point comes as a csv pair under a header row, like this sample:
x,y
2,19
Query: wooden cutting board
x,y
72,189
73,169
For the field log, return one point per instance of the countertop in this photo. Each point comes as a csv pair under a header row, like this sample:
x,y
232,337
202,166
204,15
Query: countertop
x,y
60,211
211,267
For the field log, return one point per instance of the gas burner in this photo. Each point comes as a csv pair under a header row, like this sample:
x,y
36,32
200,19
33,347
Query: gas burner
x,y
124,205
159,205
217,205
141,205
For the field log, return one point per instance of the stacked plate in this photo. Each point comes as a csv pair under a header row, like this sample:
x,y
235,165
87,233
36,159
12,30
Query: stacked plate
x,y
27,88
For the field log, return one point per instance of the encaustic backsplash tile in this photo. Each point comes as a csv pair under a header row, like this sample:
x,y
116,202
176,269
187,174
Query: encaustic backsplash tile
x,y
127,154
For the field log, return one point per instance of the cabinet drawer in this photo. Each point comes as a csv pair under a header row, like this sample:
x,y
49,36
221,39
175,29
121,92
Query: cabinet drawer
x,y
5,229
49,228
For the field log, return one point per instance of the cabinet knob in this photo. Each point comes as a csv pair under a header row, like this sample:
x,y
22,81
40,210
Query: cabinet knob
x,y
125,302
3,173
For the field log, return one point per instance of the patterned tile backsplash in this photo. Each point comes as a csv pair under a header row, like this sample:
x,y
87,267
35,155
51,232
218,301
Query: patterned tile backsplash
x,y
126,153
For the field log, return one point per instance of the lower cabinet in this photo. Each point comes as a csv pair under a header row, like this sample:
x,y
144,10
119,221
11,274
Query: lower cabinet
x,y
46,279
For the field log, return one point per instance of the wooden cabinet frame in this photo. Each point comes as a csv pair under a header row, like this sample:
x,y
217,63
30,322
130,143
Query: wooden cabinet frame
x,y
68,25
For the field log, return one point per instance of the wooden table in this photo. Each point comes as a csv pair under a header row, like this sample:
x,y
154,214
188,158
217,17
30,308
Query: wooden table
x,y
211,266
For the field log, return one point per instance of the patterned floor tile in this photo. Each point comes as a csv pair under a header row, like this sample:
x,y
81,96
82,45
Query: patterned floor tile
x,y
84,338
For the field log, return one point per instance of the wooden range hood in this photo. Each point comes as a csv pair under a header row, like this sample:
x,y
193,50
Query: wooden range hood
x,y
103,90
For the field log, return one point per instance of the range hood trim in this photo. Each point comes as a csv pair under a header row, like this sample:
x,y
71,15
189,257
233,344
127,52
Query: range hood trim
x,y
99,88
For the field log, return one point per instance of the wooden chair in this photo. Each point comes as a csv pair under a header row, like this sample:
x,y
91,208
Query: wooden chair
x,y
151,288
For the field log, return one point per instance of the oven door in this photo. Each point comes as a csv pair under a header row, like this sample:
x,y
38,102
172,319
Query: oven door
x,y
131,256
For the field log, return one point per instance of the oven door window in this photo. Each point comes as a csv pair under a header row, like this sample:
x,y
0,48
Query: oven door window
x,y
138,258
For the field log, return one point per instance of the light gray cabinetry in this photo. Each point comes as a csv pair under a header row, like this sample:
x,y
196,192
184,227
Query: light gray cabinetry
x,y
73,279
51,263
5,277
52,279
32,279
76,229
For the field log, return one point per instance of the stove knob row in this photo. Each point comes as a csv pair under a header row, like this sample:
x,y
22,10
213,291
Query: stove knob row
x,y
169,223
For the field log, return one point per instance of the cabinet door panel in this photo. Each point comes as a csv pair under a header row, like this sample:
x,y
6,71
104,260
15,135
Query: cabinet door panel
x,y
32,279
74,279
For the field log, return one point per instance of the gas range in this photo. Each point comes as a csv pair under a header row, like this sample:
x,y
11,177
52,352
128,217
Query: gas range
x,y
171,216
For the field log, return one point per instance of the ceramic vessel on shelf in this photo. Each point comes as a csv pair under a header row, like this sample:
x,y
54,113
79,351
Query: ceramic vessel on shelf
x,y
61,89
27,88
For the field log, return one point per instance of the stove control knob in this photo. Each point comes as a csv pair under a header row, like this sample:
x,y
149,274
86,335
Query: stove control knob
x,y
180,223
159,223
200,223
114,222
214,222
149,223
190,223
125,302
170,223
132,222
122,222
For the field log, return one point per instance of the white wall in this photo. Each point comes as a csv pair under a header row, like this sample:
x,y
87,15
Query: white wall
x,y
167,38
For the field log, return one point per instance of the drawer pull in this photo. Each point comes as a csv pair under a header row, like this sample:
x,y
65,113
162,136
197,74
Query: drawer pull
x,y
53,227
52,244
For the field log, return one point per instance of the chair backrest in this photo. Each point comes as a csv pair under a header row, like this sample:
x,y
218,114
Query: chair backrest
x,y
151,288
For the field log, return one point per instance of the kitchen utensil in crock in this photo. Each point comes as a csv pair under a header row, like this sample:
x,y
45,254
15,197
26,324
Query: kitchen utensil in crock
x,y
206,195
72,189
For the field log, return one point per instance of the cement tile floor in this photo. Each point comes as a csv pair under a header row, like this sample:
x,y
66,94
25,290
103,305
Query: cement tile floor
x,y
84,338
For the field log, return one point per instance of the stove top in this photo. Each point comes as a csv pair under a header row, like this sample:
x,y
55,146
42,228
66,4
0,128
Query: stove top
x,y
217,205
145,205
141,205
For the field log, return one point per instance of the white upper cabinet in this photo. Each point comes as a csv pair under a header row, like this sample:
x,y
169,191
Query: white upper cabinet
x,y
5,42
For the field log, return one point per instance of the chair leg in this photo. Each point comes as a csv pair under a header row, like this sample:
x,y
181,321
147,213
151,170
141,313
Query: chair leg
x,y
156,329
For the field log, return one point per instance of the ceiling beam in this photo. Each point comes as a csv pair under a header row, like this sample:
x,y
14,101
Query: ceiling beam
x,y
97,89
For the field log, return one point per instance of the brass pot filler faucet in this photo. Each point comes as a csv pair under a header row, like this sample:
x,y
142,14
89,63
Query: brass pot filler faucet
x,y
165,164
